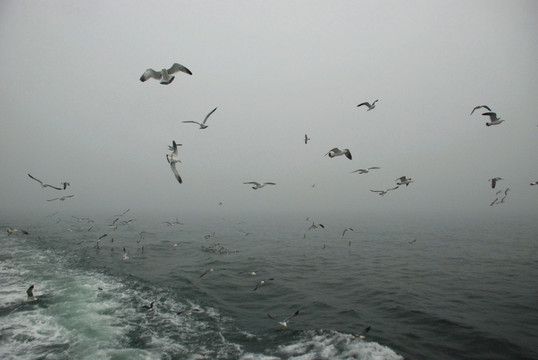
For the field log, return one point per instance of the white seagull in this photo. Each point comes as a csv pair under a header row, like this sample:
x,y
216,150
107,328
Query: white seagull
x,y
284,323
362,334
370,106
494,181
202,125
403,181
164,74
480,106
337,152
494,120
43,184
173,159
257,185
260,284
62,198
383,192
365,171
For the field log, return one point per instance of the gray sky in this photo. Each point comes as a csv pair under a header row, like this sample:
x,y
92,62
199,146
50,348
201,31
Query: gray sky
x,y
73,108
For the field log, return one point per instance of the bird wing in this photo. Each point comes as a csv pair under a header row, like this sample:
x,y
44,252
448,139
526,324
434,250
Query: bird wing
x,y
394,188
54,187
321,226
193,122
269,183
291,316
174,170
253,183
39,181
348,153
374,168
480,106
30,291
492,115
365,331
53,199
150,73
177,67
364,103
377,191
212,111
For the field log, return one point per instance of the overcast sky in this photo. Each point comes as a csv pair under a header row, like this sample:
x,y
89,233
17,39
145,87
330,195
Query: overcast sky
x,y
73,108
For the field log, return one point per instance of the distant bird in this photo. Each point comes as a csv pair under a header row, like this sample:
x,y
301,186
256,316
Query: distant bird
x,y
206,272
534,183
202,125
494,120
62,198
149,307
257,185
370,106
315,226
494,201
260,284
43,184
284,323
362,334
383,192
494,181
403,181
306,138
125,255
173,159
337,152
345,230
126,211
30,293
413,241
480,106
102,236
113,225
365,171
164,74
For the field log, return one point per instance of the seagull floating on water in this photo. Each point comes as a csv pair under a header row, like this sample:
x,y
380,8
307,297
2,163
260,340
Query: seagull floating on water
x,y
173,159
164,74
43,184
479,107
337,152
494,120
494,181
62,198
284,323
365,171
404,181
202,125
383,192
362,334
370,106
257,185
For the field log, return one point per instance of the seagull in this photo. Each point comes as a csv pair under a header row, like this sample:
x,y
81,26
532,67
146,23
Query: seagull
x,y
306,138
173,159
370,106
113,225
148,307
534,183
404,181
494,120
314,226
206,272
30,293
365,171
62,198
257,185
260,284
164,74
362,334
494,181
202,125
351,229
480,106
337,152
43,184
284,323
383,192
413,241
11,231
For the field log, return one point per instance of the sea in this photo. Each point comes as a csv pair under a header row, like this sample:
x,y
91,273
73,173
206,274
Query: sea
x,y
429,287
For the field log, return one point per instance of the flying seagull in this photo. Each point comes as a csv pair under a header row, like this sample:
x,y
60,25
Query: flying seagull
x,y
202,125
315,226
403,181
257,185
534,183
173,159
494,181
260,284
494,120
383,192
337,152
11,231
480,106
30,293
284,323
61,198
164,74
365,171
370,106
362,334
43,184
206,272
306,138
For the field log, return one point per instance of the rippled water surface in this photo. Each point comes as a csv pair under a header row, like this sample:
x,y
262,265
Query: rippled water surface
x,y
463,290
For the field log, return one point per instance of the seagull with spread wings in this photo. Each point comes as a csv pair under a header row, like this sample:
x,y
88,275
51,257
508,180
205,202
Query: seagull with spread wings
x,y
202,124
257,185
370,106
164,74
284,323
173,159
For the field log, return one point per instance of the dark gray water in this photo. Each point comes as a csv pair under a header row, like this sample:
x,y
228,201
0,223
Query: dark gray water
x,y
465,289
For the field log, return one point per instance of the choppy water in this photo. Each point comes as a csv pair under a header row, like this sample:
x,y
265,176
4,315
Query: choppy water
x,y
463,290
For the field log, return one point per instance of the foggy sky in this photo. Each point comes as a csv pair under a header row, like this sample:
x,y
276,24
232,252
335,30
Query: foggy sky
x,y
73,108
